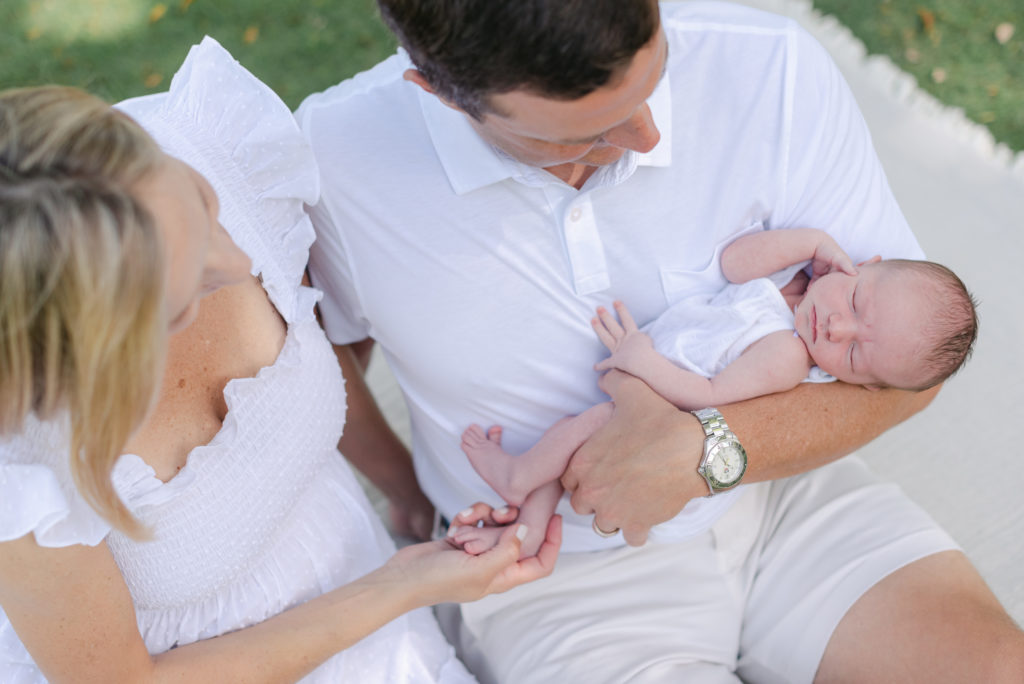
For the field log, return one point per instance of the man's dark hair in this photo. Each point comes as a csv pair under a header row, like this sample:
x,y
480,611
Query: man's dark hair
x,y
468,50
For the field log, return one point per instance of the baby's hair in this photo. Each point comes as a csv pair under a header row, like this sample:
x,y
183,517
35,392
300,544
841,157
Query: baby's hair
x,y
951,333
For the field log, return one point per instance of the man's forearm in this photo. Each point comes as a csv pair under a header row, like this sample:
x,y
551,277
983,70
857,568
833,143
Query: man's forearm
x,y
640,469
368,442
814,424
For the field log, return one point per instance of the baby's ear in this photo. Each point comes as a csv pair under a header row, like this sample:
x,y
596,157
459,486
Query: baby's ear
x,y
873,260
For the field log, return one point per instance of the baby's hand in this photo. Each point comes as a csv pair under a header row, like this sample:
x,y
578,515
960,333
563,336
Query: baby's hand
x,y
829,257
627,344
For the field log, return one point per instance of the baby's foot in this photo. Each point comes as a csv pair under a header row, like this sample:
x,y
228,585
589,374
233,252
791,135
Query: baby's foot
x,y
494,465
475,540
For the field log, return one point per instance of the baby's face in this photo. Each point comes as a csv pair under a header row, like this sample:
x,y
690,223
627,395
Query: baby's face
x,y
864,329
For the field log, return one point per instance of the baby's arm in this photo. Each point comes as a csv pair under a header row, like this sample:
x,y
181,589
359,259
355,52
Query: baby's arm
x,y
760,254
775,363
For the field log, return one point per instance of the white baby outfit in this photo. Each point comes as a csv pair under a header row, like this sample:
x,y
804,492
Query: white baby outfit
x,y
268,514
705,334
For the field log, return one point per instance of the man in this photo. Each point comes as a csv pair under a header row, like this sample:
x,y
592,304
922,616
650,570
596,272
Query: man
x,y
538,158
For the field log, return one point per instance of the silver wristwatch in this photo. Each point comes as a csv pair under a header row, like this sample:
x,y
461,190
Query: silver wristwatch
x,y
724,460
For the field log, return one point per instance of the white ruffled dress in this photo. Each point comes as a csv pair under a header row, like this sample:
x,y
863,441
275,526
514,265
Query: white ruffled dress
x,y
268,514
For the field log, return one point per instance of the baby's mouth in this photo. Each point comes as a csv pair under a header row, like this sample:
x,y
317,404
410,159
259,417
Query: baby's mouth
x,y
814,324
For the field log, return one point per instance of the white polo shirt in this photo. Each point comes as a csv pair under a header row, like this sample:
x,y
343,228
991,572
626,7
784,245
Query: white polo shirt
x,y
478,275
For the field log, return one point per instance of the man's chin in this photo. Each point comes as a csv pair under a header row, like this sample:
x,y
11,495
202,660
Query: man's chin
x,y
604,157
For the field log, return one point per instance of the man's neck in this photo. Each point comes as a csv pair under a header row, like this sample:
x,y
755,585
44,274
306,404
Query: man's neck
x,y
572,174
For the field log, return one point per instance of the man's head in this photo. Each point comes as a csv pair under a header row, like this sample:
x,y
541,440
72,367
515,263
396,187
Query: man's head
x,y
549,82
897,323
469,50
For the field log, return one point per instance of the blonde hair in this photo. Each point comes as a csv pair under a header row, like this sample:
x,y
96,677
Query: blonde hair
x,y
82,321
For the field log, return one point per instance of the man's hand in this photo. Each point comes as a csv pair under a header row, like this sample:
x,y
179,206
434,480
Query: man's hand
x,y
640,469
412,516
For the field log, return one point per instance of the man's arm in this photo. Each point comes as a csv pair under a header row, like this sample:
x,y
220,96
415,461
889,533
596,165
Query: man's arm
x,y
641,468
372,446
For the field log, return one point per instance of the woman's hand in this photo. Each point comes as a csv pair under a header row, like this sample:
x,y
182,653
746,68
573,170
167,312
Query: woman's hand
x,y
440,573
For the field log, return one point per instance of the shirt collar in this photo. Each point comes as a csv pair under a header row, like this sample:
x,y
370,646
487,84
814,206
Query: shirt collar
x,y
472,163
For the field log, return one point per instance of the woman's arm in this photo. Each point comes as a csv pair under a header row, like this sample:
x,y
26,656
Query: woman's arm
x,y
760,254
73,612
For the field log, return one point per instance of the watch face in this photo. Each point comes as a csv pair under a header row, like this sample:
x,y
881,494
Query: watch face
x,y
727,462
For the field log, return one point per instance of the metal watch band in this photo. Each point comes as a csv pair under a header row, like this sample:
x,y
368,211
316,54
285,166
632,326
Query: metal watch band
x,y
715,429
712,422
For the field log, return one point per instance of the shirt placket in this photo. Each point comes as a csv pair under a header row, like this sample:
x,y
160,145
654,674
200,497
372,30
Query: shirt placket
x,y
583,246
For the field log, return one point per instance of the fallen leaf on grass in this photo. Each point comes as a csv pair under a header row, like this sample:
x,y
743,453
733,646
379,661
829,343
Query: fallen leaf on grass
x,y
251,34
1004,32
927,20
153,79
913,55
185,4
992,90
987,117
157,13
939,75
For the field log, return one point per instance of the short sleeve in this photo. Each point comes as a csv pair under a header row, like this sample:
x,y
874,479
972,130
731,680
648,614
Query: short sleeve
x,y
333,216
232,128
833,177
37,493
328,268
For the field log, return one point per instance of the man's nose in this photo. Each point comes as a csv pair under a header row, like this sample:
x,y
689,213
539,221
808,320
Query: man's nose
x,y
638,133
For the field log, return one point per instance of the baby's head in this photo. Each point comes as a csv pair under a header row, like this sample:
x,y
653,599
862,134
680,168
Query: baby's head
x,y
897,323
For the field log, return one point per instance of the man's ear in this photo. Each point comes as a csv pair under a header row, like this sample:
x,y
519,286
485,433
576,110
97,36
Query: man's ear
x,y
414,76
873,260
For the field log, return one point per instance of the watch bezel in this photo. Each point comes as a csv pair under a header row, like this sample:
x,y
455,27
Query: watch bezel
x,y
712,453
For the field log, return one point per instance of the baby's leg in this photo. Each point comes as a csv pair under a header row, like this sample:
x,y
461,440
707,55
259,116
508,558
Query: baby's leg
x,y
514,477
535,513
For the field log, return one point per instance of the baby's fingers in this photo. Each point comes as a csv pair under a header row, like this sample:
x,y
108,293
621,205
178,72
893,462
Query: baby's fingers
x,y
610,323
602,333
628,324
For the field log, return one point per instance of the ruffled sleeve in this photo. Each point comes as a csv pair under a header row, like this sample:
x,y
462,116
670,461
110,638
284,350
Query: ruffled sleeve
x,y
237,132
37,493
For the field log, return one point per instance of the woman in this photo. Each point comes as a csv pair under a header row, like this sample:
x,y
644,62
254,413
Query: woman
x,y
232,476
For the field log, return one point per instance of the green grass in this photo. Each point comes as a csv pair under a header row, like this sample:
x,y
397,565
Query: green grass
x,y
950,47
121,48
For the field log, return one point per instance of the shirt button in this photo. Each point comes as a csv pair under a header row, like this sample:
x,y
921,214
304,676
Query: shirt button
x,y
575,214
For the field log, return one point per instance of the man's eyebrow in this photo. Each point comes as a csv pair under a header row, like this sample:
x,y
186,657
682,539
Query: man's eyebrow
x,y
595,138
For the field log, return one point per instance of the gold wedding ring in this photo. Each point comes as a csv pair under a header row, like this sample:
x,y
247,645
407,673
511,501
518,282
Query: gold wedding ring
x,y
601,533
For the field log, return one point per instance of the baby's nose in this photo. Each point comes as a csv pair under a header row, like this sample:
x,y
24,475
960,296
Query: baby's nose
x,y
839,328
